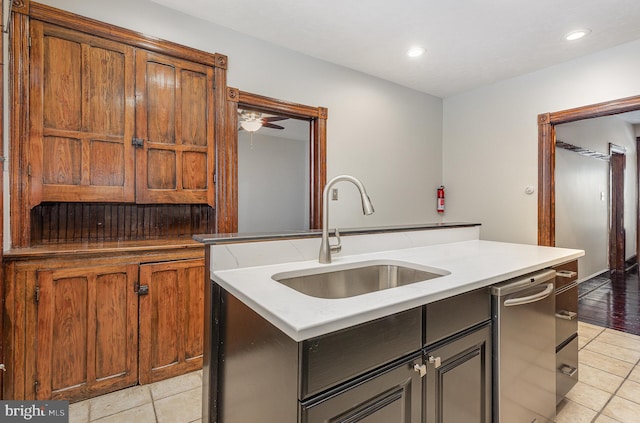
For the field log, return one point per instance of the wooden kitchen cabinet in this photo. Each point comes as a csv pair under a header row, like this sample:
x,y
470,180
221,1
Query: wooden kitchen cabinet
x,y
93,100
77,325
171,319
86,331
81,113
174,130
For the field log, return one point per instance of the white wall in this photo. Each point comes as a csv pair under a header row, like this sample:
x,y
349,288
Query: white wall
x,y
490,137
583,193
388,136
273,183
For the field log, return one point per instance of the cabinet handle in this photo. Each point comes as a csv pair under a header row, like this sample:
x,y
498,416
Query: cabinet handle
x,y
568,370
566,273
137,142
420,368
436,361
566,315
143,290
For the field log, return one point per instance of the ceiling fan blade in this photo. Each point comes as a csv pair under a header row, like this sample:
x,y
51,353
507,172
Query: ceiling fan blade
x,y
273,119
271,125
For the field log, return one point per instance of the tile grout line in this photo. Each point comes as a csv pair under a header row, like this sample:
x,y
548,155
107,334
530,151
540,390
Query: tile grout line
x,y
599,413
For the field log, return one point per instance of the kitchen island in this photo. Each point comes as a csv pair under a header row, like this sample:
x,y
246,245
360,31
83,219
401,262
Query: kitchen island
x,y
264,338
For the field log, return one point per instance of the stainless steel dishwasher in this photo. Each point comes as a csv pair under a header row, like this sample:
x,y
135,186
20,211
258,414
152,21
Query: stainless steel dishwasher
x,y
524,349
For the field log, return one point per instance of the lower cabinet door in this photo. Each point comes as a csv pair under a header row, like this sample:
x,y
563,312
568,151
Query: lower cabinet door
x,y
458,381
86,331
390,395
171,319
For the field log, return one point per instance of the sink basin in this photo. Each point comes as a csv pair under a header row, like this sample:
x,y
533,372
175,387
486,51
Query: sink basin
x,y
355,279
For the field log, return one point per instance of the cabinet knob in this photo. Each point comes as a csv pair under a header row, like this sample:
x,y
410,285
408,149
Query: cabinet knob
x,y
436,361
420,368
2,367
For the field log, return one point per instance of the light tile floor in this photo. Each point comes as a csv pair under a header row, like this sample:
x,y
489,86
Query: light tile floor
x,y
609,372
608,390
175,400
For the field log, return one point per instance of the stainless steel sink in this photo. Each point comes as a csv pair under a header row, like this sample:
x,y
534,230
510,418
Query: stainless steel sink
x,y
356,279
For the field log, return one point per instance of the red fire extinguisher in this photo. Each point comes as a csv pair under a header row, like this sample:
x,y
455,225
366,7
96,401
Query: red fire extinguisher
x,y
441,199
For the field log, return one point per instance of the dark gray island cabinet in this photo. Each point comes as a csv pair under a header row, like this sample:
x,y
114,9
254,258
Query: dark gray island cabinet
x,y
432,361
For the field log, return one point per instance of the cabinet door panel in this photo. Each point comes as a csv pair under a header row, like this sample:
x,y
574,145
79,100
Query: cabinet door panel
x,y
86,331
460,389
174,118
81,117
392,395
171,319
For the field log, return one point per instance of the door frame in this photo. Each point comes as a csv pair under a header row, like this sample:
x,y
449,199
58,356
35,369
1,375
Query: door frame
x,y
547,157
617,163
317,116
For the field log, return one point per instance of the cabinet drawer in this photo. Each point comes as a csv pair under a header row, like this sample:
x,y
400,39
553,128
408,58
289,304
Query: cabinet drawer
x,y
566,369
566,273
452,315
339,356
566,313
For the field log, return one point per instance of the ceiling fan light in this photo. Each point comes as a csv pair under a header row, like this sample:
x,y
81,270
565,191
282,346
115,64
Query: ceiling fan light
x,y
251,125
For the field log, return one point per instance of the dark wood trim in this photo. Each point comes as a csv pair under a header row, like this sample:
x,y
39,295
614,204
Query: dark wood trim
x,y
318,161
226,163
19,115
546,181
637,183
284,108
1,190
20,6
546,155
616,231
123,35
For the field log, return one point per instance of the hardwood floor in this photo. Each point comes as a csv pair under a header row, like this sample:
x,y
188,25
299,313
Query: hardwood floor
x,y
612,304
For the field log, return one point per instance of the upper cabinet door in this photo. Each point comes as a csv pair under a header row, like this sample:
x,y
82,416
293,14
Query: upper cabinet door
x,y
81,117
174,123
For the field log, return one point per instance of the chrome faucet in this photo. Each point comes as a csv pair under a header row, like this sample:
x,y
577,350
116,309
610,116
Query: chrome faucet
x,y
325,247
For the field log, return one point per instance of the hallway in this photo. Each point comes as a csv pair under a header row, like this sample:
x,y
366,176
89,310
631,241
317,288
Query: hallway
x,y
611,304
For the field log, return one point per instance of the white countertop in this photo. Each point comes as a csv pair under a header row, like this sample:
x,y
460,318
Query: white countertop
x,y
470,265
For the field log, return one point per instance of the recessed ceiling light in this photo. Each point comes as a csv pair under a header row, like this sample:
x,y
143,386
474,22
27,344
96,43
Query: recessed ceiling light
x,y
577,34
415,51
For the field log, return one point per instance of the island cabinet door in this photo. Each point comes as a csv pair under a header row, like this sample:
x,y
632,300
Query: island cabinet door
x,y
458,380
174,130
81,117
171,319
389,395
86,331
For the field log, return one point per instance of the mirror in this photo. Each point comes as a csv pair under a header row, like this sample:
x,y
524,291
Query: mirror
x,y
279,171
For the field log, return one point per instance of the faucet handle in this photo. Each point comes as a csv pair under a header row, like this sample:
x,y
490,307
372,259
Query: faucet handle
x,y
336,248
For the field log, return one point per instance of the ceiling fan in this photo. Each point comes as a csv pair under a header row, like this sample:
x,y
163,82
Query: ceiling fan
x,y
252,121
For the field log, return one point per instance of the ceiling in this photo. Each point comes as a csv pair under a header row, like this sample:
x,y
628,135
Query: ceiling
x,y
469,43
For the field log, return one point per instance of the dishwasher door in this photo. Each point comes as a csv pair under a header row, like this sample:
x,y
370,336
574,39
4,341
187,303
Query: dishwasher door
x,y
524,349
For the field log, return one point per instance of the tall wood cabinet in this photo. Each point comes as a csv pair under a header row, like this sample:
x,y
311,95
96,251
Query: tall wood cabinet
x,y
117,131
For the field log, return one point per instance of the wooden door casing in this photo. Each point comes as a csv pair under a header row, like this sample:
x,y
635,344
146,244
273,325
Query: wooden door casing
x,y
174,121
171,319
81,117
86,331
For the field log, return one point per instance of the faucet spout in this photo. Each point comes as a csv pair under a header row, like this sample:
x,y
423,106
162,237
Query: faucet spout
x,y
367,208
